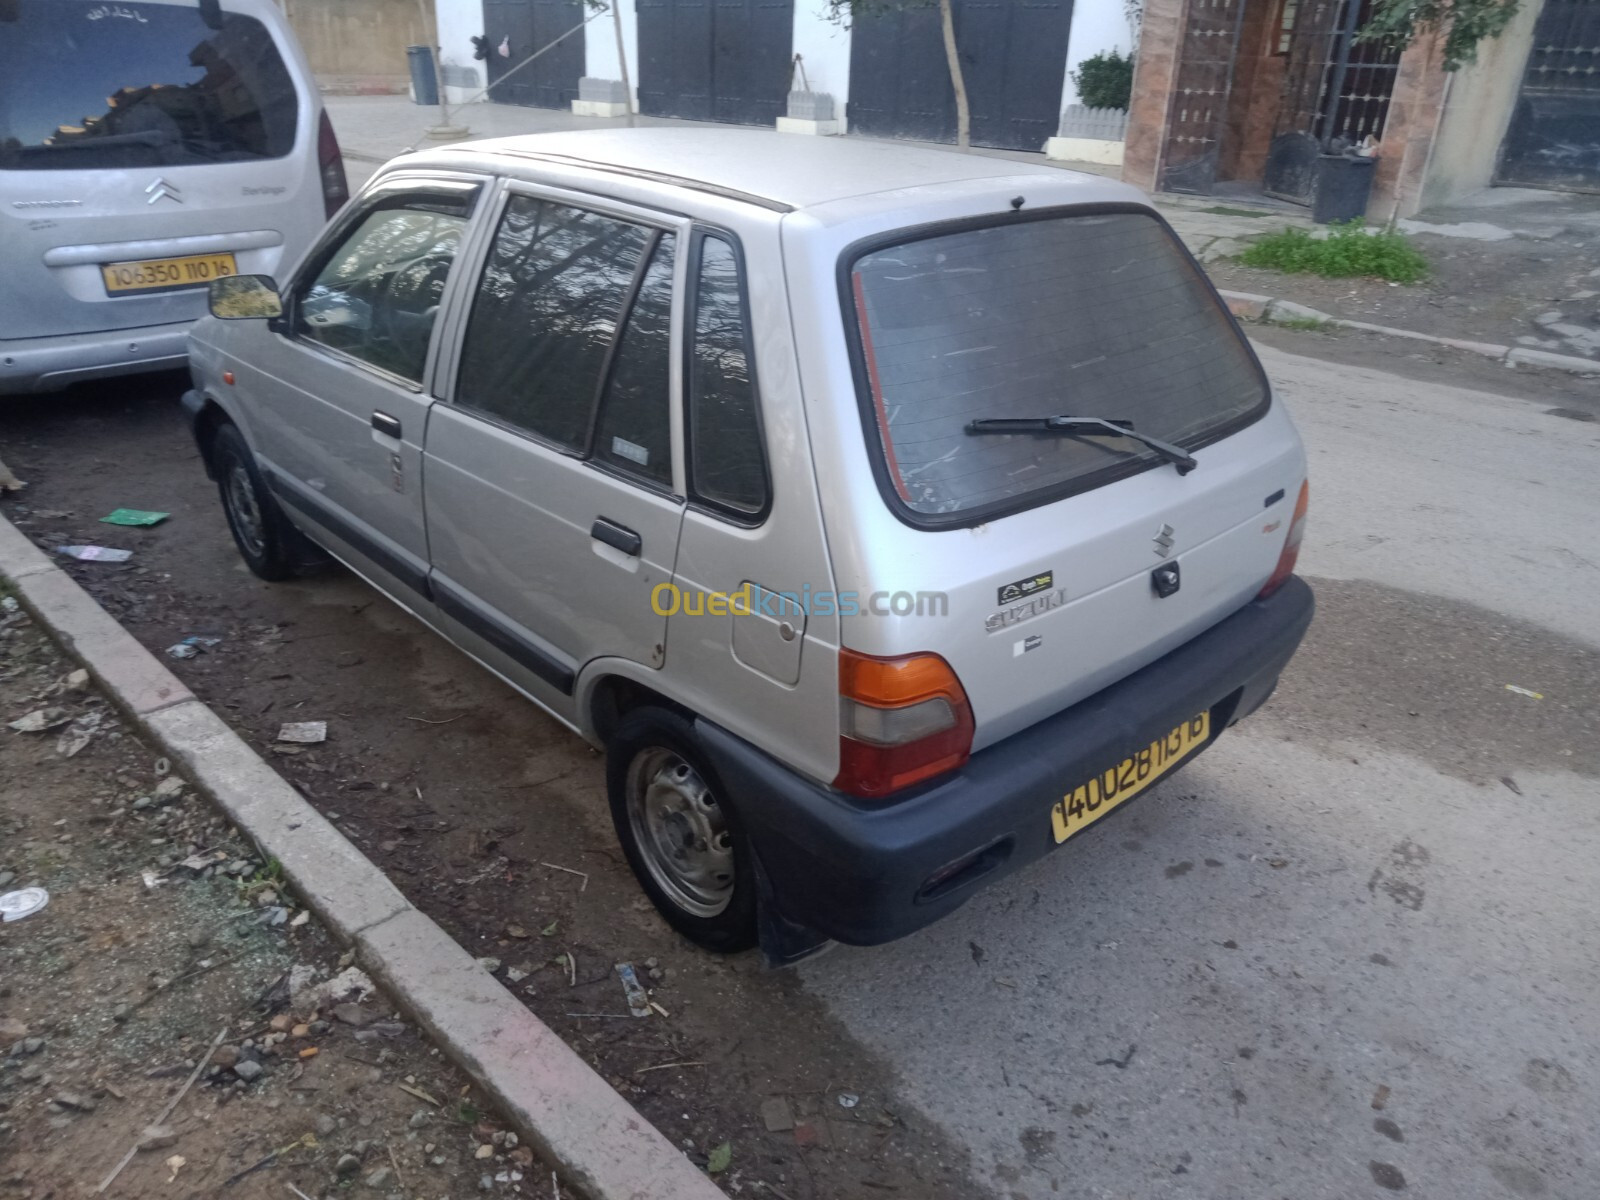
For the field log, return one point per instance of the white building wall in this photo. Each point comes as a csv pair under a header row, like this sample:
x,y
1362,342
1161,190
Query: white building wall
x,y
824,49
1097,26
459,22
600,47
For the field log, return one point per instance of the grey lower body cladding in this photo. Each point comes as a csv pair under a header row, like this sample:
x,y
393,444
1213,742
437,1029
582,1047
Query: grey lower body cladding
x,y
833,868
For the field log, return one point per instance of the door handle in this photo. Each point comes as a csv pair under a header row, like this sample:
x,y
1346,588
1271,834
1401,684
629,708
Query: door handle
x,y
619,537
385,424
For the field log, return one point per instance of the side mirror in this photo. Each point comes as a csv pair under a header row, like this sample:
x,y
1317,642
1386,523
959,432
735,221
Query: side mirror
x,y
241,297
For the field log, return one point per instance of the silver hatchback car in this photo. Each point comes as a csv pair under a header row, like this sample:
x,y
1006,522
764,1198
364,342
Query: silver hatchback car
x,y
889,516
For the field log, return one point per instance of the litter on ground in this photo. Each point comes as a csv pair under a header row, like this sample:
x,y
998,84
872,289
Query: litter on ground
x,y
95,553
133,516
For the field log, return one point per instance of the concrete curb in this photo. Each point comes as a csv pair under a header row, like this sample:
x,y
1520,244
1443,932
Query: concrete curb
x,y
1251,306
601,1146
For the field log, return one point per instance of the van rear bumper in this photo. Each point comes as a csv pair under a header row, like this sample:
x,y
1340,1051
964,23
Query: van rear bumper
x,y
47,364
832,868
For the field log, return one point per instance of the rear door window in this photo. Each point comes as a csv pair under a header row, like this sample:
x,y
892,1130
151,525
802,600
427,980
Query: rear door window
x,y
1097,314
634,429
90,85
545,318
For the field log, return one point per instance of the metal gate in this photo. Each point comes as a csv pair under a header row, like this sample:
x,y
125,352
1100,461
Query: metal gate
x,y
522,27
1335,92
715,60
1200,96
1013,59
1554,138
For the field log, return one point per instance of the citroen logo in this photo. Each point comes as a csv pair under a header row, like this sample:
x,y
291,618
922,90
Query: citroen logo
x,y
162,190
1164,540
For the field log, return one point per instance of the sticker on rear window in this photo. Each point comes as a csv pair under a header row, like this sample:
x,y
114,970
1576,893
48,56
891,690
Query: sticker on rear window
x,y
1023,588
631,451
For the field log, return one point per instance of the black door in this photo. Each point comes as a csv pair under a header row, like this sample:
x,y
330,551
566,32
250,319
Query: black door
x,y
522,27
715,60
1200,97
1013,58
1335,94
1554,139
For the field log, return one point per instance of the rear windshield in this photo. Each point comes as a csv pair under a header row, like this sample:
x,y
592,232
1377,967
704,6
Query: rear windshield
x,y
93,85
1089,314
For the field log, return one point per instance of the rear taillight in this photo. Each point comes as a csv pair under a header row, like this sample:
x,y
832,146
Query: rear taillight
x,y
335,188
1291,545
901,720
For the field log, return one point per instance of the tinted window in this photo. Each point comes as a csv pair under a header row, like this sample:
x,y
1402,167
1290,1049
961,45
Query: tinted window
x,y
377,295
1094,315
635,428
724,430
88,85
546,311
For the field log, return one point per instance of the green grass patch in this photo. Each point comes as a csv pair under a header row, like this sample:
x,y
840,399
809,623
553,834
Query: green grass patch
x,y
1308,324
1348,250
1222,210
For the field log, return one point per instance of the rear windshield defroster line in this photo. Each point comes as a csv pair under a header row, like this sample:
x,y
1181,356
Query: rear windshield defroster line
x,y
1090,310
876,387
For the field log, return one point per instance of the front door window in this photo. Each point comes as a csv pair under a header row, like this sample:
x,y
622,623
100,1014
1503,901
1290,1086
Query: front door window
x,y
376,295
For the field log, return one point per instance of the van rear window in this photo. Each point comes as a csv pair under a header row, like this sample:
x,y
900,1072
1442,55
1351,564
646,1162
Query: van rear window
x,y
1089,314
93,85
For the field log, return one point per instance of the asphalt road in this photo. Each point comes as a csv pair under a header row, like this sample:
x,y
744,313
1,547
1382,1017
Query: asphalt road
x,y
1349,946
1383,883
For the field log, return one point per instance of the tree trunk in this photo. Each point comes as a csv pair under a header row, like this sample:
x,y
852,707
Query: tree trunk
x,y
958,81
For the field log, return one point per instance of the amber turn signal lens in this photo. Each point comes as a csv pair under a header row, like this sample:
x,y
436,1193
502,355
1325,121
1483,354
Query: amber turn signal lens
x,y
902,720
1291,545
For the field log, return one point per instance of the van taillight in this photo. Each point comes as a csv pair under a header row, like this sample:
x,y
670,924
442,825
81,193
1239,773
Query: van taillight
x,y
1291,545
335,187
901,720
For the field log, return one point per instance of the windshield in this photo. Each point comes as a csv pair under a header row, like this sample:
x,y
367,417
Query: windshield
x,y
1096,314
94,85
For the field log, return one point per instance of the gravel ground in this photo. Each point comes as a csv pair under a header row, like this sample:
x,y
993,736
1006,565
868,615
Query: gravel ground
x,y
1519,292
170,970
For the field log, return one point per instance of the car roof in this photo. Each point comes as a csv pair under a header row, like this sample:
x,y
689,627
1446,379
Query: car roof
x,y
776,170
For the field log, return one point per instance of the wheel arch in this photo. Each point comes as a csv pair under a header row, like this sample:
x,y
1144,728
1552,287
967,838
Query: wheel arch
x,y
609,689
207,420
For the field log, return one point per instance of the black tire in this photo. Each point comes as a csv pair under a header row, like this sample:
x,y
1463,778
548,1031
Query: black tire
x,y
266,540
682,839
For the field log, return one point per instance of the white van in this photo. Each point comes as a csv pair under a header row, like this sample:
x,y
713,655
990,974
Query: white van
x,y
889,516
146,148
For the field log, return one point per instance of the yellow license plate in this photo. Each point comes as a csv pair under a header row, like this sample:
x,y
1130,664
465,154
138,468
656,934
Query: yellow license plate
x,y
1087,803
162,274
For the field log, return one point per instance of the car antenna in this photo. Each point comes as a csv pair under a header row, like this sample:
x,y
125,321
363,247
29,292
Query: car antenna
x,y
1017,202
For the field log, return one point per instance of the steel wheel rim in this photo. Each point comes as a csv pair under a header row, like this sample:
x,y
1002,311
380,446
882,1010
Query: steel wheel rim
x,y
681,832
244,514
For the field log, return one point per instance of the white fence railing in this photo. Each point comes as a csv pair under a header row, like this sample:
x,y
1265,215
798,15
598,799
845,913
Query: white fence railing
x,y
1099,124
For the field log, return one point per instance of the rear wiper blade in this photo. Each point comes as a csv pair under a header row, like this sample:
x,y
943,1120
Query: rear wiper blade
x,y
1175,455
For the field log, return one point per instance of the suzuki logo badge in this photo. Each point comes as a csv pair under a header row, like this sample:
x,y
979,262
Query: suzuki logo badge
x,y
1164,540
162,190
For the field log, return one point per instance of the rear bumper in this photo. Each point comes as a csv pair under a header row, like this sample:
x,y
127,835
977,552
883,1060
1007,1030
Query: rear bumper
x,y
831,868
47,364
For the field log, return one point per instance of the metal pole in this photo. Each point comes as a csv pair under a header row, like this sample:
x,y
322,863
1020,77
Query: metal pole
x,y
430,30
622,58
